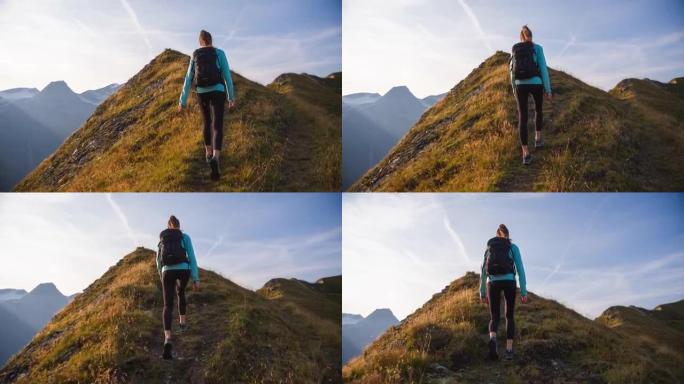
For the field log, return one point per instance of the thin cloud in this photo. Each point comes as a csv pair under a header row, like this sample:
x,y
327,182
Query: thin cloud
x,y
476,23
570,43
456,238
134,18
122,218
587,232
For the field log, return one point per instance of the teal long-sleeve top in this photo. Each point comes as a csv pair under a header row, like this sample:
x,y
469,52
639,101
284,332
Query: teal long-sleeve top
x,y
222,63
194,270
517,261
543,70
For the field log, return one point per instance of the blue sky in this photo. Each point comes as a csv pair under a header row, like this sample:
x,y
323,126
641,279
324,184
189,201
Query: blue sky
x,y
430,45
588,251
93,43
72,239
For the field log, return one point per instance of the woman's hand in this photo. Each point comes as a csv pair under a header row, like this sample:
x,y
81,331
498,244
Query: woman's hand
x,y
484,300
231,104
180,108
549,97
523,299
195,285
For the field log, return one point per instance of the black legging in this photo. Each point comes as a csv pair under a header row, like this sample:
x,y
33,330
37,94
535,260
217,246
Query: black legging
x,y
522,92
494,289
212,105
171,289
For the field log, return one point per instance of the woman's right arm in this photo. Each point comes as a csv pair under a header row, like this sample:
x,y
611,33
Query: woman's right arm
x,y
187,84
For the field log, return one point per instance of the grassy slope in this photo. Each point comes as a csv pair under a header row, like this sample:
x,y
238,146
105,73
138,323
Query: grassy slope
x,y
469,142
112,333
554,344
136,141
318,103
320,310
655,334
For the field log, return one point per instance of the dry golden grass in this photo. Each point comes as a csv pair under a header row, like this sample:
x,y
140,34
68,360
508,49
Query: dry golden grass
x,y
595,141
112,334
136,141
551,342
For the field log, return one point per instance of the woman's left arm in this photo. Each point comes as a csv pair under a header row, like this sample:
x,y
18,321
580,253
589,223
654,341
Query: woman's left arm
x,y
225,68
543,69
520,269
194,270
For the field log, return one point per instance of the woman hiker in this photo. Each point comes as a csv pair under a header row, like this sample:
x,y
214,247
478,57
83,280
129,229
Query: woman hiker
x,y
176,264
529,76
502,261
210,71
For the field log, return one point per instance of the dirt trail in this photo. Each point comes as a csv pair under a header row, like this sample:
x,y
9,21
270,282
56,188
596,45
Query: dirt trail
x,y
522,178
296,170
190,349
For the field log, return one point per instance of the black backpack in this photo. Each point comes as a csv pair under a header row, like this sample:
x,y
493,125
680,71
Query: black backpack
x,y
207,72
499,260
171,247
524,64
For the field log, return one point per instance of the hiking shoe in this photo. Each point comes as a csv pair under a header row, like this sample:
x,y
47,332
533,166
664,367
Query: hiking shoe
x,y
183,327
539,144
214,164
493,353
167,352
527,160
508,355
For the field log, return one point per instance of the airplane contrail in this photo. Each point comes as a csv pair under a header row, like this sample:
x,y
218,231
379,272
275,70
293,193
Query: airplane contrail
x,y
476,23
122,217
136,21
456,238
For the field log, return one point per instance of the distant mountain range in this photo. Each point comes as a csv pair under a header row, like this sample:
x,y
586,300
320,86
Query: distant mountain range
x,y
35,123
358,332
372,124
22,314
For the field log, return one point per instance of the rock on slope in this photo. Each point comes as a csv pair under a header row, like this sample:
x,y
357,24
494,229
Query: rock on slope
x,y
595,141
112,333
136,141
445,342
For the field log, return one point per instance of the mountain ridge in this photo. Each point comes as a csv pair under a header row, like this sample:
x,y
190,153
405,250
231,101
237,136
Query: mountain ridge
x,y
157,149
595,141
444,341
112,333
